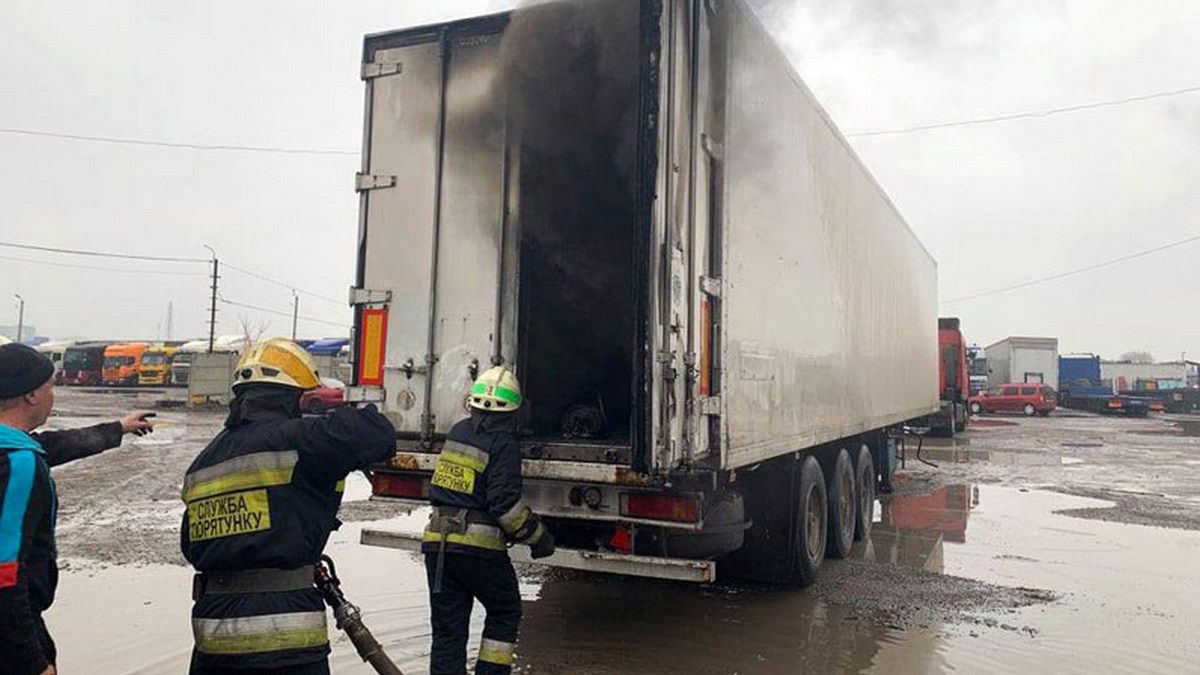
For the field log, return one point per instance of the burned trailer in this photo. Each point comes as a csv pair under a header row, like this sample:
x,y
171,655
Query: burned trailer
x,y
716,312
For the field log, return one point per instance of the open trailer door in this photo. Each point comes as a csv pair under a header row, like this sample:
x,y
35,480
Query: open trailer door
x,y
433,219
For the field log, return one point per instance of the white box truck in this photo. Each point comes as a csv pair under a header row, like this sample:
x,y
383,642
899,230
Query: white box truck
x,y
1016,360
716,313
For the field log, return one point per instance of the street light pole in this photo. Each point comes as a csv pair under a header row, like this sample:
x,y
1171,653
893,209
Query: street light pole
x,y
212,308
20,316
295,312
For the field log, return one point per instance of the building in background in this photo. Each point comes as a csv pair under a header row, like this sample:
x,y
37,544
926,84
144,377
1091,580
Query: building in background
x,y
1129,376
1023,359
27,332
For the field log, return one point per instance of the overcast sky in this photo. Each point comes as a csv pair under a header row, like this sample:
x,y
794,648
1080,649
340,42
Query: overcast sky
x,y
997,204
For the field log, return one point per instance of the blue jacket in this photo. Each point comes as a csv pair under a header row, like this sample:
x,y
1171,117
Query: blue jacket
x,y
28,556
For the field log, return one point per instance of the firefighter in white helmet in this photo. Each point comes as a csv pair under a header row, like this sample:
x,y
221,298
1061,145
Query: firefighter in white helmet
x,y
262,500
477,512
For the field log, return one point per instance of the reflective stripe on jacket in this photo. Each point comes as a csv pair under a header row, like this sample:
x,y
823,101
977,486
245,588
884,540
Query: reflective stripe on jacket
x,y
264,495
479,469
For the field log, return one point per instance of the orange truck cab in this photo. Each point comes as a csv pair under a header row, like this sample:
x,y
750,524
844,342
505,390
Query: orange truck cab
x,y
122,363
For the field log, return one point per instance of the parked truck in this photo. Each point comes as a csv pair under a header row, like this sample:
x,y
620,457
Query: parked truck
x,y
1023,360
953,381
1082,387
122,363
83,364
718,316
155,369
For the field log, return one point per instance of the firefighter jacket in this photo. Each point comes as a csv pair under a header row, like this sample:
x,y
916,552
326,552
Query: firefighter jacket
x,y
262,498
476,490
28,556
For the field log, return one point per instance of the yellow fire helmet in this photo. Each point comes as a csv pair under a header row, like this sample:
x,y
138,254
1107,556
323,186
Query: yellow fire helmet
x,y
496,390
277,361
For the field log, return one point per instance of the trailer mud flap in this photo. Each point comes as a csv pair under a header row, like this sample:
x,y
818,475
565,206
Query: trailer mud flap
x,y
698,571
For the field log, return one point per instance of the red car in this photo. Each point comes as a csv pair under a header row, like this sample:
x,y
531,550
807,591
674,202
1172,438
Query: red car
x,y
1030,399
324,398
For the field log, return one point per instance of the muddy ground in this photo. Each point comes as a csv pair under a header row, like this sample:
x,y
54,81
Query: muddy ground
x,y
1003,558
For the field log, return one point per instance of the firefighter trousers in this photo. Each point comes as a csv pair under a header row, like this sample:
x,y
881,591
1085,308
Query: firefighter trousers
x,y
466,578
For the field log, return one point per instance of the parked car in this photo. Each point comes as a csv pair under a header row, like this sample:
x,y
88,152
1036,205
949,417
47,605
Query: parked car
x,y
331,394
1030,399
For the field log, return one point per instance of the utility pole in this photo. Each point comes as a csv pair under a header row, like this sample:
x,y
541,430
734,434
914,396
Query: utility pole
x,y
295,312
170,319
20,316
212,308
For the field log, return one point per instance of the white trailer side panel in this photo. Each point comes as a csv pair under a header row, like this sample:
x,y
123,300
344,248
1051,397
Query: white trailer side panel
x,y
830,300
1023,359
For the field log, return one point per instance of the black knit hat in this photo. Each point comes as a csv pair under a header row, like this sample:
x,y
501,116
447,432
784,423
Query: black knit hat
x,y
22,370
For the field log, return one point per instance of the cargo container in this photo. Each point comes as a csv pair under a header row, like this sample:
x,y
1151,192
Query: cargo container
x,y
717,314
1023,360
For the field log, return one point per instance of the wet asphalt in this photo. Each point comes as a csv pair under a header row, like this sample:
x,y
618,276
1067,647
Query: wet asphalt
x,y
1065,544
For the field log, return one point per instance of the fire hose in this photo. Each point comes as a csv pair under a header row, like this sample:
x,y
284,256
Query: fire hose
x,y
349,619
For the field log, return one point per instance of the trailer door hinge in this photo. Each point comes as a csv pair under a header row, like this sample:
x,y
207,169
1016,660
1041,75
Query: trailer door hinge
x,y
366,296
366,181
711,286
371,71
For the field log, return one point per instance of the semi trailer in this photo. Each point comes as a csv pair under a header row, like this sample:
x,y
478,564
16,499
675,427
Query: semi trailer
x,y
719,318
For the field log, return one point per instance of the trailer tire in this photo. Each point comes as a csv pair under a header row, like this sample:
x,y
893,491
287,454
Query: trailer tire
x,y
842,505
810,519
864,473
1029,410
976,408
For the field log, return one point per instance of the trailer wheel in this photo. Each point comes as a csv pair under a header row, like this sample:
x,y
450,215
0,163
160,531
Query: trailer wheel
x,y
810,523
842,506
976,408
864,471
1029,410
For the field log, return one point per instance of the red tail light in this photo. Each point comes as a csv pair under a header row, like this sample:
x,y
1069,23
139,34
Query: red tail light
x,y
659,507
403,485
1115,403
1157,406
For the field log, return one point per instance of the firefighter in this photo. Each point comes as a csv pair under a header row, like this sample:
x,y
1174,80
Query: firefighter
x,y
477,512
28,557
262,500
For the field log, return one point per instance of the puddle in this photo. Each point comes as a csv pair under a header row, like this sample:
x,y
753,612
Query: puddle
x,y
1002,457
1128,598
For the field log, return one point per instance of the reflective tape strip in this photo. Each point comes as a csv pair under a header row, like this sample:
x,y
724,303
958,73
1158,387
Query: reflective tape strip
x,y
467,455
496,651
515,518
477,535
261,469
536,536
341,486
267,633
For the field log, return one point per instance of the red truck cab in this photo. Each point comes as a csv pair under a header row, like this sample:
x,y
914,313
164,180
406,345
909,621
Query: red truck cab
x,y
954,380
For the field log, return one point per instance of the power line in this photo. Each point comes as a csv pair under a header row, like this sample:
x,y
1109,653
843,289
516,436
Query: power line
x,y
284,284
100,254
1027,115
276,312
1079,270
102,269
177,144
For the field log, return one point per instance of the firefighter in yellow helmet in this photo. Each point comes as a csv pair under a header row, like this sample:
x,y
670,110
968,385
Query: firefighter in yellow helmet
x,y
262,500
477,512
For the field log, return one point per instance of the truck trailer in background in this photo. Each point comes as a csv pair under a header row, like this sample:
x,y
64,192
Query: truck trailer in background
x,y
1083,387
717,314
1023,360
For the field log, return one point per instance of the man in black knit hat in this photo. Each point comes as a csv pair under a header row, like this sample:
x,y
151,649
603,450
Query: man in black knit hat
x,y
28,503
